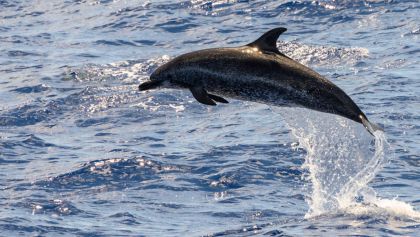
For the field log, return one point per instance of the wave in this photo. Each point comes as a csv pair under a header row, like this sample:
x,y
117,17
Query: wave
x,y
113,174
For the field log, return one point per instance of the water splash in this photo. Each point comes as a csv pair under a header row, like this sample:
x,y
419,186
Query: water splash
x,y
341,159
359,182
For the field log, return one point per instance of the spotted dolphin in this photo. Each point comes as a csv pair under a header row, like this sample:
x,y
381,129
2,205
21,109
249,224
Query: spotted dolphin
x,y
256,72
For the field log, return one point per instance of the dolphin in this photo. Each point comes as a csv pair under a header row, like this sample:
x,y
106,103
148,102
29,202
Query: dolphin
x,y
256,72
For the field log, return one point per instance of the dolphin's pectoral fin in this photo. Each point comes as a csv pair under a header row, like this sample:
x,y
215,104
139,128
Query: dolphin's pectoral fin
x,y
201,95
267,42
218,98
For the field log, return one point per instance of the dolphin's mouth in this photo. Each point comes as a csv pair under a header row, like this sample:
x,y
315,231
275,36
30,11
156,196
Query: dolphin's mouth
x,y
149,85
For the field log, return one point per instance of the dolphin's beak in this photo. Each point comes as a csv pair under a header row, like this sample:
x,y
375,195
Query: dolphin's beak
x,y
149,85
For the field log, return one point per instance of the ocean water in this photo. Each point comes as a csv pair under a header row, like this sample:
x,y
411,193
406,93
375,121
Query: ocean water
x,y
83,153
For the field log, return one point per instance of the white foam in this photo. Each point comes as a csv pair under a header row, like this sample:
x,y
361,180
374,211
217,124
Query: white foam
x,y
388,208
322,55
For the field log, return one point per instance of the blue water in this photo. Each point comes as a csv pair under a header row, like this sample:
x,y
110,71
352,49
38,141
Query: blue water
x,y
82,152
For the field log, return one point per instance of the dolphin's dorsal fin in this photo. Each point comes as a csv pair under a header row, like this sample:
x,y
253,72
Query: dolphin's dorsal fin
x,y
267,42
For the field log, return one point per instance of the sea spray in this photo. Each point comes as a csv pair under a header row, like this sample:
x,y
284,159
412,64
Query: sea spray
x,y
358,184
341,158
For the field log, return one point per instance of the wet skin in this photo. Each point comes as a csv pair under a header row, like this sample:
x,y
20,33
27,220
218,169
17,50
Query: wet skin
x,y
255,72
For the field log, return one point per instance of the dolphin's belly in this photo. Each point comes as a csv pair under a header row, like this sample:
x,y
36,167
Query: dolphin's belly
x,y
255,89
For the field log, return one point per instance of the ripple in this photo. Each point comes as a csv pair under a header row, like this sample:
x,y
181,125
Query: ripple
x,y
115,42
32,89
19,53
56,207
177,25
38,229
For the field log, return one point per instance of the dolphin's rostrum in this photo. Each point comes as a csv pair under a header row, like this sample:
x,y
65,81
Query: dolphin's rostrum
x,y
255,72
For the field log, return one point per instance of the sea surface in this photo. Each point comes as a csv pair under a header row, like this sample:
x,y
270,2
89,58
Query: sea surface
x,y
84,153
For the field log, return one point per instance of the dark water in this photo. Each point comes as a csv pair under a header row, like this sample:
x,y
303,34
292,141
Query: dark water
x,y
82,152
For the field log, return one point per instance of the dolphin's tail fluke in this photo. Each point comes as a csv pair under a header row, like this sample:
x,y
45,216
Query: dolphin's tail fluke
x,y
149,85
371,127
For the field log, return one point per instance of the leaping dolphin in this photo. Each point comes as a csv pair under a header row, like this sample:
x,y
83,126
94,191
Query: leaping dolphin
x,y
255,72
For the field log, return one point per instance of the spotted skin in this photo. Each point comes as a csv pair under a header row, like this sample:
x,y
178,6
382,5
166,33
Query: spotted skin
x,y
258,72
